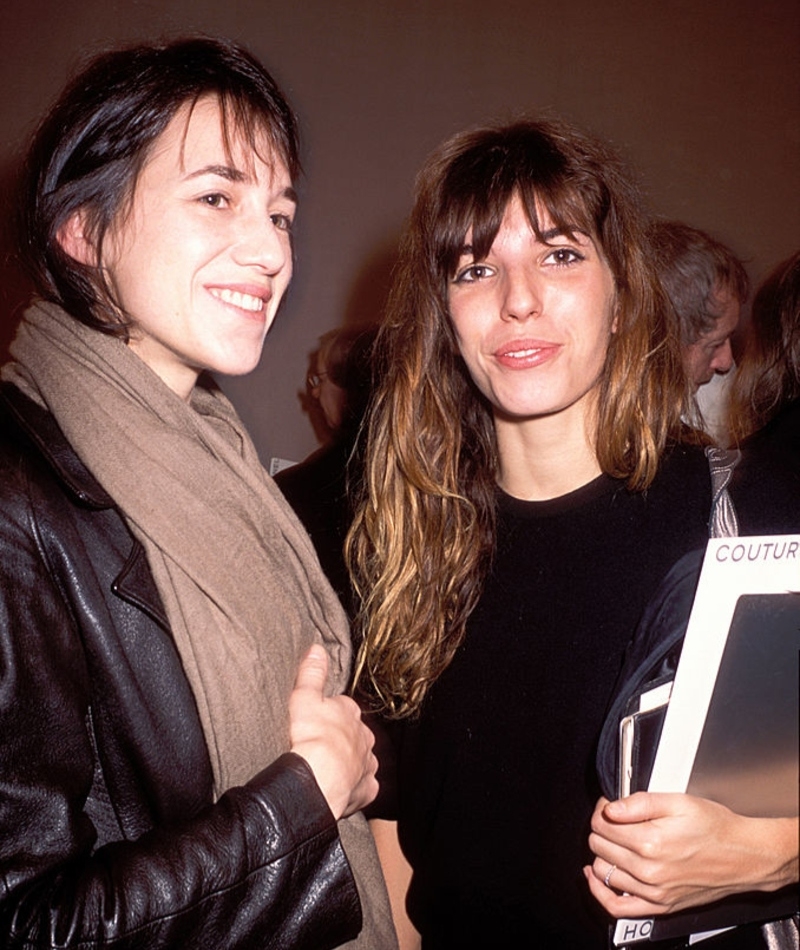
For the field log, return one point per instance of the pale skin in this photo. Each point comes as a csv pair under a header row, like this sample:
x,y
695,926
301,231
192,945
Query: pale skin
x,y
199,262
675,851
397,871
328,733
670,851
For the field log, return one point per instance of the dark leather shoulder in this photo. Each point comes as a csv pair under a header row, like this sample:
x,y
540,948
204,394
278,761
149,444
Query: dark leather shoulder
x,y
42,479
26,425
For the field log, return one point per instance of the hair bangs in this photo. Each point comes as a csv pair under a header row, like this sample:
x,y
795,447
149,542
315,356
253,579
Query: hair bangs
x,y
480,183
253,125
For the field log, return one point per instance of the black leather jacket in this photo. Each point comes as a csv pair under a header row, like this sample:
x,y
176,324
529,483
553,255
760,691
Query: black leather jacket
x,y
108,830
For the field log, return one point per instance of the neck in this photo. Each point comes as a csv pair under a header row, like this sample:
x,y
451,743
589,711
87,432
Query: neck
x,y
545,457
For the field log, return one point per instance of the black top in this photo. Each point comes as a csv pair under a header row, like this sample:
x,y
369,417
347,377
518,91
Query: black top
x,y
496,778
319,490
766,482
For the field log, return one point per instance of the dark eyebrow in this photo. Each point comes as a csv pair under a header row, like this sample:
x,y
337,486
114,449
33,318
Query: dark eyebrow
x,y
221,171
229,173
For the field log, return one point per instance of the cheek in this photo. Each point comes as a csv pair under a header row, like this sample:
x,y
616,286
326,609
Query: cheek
x,y
465,327
468,350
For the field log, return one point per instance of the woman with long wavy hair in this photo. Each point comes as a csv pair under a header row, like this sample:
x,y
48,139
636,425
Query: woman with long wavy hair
x,y
526,490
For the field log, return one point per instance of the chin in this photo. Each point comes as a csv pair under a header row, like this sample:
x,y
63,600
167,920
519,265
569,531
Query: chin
x,y
237,366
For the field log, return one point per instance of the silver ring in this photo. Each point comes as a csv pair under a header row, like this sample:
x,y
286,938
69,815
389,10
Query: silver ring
x,y
607,878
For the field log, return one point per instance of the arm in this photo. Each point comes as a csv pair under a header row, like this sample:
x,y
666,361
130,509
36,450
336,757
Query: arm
x,y
397,872
263,864
673,851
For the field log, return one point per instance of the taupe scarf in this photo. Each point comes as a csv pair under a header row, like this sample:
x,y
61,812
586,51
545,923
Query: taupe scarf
x,y
239,579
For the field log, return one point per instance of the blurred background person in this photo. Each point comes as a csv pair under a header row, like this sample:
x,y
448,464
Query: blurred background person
x,y
327,384
766,391
707,286
320,488
765,397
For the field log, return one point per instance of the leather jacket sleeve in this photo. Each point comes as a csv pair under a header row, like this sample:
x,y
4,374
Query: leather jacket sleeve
x,y
262,867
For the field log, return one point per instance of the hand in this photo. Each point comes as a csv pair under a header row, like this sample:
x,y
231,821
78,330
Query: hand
x,y
328,733
672,851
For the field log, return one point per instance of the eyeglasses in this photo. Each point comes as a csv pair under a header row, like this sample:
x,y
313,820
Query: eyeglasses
x,y
314,379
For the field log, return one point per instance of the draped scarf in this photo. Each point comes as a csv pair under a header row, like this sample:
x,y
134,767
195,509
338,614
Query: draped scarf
x,y
238,576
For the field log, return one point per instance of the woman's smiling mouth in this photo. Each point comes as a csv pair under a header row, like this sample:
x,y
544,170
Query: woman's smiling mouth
x,y
240,299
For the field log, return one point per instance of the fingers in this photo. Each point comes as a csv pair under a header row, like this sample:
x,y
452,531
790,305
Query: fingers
x,y
616,902
328,732
312,673
641,806
668,852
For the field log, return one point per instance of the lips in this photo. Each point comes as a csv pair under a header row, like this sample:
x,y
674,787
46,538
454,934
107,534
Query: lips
x,y
523,354
251,299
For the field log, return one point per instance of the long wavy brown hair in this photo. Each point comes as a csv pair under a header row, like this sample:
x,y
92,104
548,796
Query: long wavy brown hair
x,y
768,377
423,536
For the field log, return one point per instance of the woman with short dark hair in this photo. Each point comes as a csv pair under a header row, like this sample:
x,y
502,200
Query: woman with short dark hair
x,y
179,766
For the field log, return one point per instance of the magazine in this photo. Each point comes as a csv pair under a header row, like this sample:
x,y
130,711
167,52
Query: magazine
x,y
730,719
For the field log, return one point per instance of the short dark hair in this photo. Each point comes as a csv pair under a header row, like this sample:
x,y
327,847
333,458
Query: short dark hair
x,y
693,266
90,148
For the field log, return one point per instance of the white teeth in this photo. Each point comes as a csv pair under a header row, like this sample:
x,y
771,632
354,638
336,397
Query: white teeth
x,y
518,354
243,301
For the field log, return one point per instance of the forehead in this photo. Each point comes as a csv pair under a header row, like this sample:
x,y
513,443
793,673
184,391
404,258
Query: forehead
x,y
727,307
525,206
203,133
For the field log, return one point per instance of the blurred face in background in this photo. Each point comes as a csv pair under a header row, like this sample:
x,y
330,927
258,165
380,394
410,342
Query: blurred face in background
x,y
331,397
711,352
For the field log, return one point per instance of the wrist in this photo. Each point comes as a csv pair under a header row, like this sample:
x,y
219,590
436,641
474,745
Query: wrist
x,y
776,852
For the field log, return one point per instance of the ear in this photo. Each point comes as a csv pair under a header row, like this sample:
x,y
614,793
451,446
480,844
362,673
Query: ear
x,y
615,313
74,240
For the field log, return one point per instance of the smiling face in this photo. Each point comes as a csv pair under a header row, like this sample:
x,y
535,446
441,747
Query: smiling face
x,y
533,320
200,260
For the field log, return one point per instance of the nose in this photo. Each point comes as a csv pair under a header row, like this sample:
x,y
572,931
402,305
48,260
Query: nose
x,y
723,358
262,243
522,295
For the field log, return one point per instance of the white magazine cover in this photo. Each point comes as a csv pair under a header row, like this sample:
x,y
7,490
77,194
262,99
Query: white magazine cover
x,y
731,730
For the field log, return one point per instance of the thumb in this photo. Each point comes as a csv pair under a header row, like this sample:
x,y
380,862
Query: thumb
x,y
641,806
313,670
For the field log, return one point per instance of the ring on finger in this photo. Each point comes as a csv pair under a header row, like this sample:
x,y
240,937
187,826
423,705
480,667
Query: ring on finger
x,y
609,872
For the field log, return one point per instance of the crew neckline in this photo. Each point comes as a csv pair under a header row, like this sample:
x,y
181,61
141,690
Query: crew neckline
x,y
600,486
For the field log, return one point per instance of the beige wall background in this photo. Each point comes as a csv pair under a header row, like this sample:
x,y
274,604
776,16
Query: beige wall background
x,y
703,96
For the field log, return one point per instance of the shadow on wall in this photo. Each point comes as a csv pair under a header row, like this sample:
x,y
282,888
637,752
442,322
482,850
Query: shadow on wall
x,y
365,307
15,288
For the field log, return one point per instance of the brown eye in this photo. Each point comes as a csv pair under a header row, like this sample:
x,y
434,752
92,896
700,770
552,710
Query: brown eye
x,y
563,256
473,273
214,200
283,222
